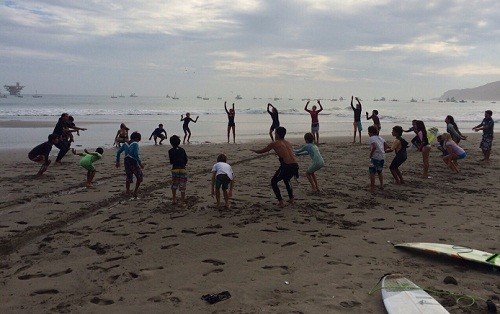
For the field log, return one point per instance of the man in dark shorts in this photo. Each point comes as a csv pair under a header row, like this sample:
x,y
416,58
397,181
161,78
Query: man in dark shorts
x,y
158,133
487,141
288,166
40,153
276,121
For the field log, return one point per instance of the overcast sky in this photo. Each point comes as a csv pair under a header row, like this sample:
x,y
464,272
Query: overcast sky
x,y
302,48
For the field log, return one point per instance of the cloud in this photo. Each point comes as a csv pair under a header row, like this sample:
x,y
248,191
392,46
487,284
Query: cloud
x,y
464,70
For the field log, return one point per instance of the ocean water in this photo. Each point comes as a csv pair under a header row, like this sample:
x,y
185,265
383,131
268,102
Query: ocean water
x,y
102,115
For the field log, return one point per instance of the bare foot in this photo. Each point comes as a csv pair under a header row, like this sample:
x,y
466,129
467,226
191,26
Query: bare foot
x,y
291,201
281,204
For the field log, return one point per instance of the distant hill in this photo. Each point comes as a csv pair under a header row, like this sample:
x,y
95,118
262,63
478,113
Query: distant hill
x,y
490,91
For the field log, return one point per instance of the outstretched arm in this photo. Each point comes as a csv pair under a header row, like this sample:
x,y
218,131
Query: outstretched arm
x,y
359,103
182,117
195,120
263,150
269,105
305,108
352,98
225,108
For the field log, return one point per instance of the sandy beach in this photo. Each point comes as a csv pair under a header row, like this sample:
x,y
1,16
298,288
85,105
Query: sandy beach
x,y
65,248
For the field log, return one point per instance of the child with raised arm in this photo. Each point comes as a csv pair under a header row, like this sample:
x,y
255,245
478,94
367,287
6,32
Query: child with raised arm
x,y
399,146
288,166
160,133
132,161
273,112
314,120
178,159
230,123
377,156
317,161
222,176
376,121
455,152
185,126
357,119
87,162
40,154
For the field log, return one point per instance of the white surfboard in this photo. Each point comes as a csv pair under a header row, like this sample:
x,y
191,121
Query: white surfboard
x,y
400,296
455,251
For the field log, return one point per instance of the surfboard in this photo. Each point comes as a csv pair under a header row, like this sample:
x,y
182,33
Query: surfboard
x,y
400,295
455,251
432,134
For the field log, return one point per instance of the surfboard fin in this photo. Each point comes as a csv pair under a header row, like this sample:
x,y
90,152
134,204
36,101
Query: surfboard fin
x,y
492,258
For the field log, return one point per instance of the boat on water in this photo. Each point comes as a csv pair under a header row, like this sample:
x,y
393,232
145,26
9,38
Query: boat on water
x,y
114,96
413,100
277,98
175,96
121,96
199,97
238,97
14,90
133,95
36,95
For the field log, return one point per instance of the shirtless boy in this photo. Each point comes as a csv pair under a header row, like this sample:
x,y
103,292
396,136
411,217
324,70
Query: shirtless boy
x,y
288,166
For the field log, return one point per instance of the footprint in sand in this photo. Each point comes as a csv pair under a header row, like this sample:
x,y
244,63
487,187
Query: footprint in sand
x,y
64,272
44,291
231,235
214,271
288,244
258,258
26,277
206,233
166,247
214,262
100,301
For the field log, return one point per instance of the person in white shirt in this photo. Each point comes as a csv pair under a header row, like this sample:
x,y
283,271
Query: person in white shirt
x,y
222,176
377,156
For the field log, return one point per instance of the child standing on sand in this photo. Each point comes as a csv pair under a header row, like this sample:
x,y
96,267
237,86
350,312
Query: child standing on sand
x,y
317,160
376,121
87,162
288,166
399,146
185,126
132,161
178,158
222,176
377,156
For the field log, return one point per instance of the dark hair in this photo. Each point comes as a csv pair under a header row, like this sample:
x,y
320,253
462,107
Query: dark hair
x,y
64,115
309,137
489,112
281,131
452,121
375,112
52,137
70,118
135,136
398,130
421,128
99,150
175,140
160,125
373,130
221,158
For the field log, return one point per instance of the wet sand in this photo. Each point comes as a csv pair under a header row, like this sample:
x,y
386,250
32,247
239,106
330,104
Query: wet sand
x,y
65,248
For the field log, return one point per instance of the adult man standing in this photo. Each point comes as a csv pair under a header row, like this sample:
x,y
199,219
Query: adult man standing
x,y
62,130
487,141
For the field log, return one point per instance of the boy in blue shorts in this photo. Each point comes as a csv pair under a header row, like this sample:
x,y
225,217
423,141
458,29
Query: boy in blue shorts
x,y
222,176
178,159
87,162
377,156
132,161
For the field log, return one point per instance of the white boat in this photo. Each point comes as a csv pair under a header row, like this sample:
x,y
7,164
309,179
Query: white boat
x,y
238,97
175,96
133,95
36,95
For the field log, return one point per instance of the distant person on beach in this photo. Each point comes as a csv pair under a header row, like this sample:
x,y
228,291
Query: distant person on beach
x,y
377,156
317,160
62,129
288,166
452,129
40,154
87,162
487,141
357,118
222,177
399,146
455,152
132,161
376,121
160,133
314,120
230,123
276,121
122,135
178,159
423,146
185,126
